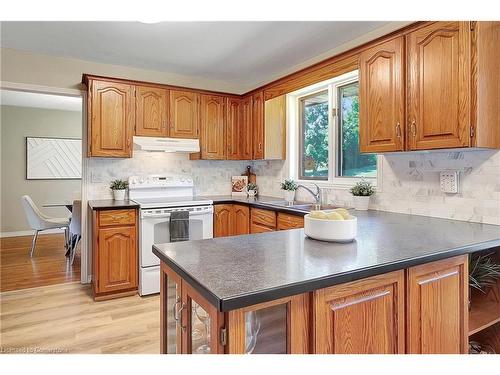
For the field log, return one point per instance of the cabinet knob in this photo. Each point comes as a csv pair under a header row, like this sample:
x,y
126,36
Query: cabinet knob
x,y
413,128
398,130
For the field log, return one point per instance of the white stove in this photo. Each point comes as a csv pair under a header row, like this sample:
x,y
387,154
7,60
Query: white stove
x,y
158,196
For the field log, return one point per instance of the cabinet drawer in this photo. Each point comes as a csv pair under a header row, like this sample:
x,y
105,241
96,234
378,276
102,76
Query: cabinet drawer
x,y
257,228
116,217
286,221
264,217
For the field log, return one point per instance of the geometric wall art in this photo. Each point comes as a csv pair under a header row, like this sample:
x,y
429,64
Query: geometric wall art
x,y
53,158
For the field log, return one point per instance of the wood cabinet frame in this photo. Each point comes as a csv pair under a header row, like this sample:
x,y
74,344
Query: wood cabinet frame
x,y
390,299
298,334
387,288
438,279
117,222
183,328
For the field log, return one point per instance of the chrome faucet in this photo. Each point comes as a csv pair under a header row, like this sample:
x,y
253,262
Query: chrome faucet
x,y
316,195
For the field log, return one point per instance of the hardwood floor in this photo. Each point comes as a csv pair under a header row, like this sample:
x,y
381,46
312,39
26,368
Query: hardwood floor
x,y
48,266
65,319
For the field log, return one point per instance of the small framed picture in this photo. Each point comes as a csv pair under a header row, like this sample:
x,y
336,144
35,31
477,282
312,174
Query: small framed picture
x,y
239,185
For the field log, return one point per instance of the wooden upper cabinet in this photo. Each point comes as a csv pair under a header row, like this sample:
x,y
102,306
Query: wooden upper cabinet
x,y
275,128
184,114
258,125
437,307
223,220
151,115
233,118
241,220
117,259
111,119
212,127
246,125
381,97
438,86
361,317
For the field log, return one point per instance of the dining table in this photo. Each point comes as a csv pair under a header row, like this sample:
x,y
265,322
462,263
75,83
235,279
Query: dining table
x,y
67,204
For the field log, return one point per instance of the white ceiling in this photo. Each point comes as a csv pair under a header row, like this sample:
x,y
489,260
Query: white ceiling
x,y
36,100
245,54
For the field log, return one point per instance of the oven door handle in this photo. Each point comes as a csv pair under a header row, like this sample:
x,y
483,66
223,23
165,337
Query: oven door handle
x,y
165,215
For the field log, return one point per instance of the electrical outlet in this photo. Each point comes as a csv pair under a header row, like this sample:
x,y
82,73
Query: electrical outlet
x,y
449,182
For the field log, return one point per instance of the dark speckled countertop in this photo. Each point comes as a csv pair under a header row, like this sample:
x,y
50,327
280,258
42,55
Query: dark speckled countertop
x,y
234,272
259,202
111,204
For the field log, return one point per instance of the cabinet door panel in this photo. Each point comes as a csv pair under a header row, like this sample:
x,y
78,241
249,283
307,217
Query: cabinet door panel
x,y
246,128
437,310
213,145
202,323
285,221
258,125
241,218
381,101
362,317
223,220
276,327
171,298
117,258
184,114
438,91
151,112
112,115
233,128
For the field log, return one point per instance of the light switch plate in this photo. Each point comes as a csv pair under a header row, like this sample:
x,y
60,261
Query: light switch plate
x,y
449,182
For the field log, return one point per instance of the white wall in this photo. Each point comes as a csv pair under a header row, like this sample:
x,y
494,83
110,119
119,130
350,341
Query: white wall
x,y
16,124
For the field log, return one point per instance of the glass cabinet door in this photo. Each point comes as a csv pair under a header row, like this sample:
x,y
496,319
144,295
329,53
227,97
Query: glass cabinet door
x,y
275,327
170,316
266,331
202,324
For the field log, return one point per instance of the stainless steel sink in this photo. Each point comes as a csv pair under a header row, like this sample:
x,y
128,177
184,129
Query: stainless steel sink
x,y
302,206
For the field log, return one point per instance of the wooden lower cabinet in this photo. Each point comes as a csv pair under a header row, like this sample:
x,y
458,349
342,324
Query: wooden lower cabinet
x,y
189,324
286,221
422,309
231,220
262,220
437,307
361,317
223,220
236,219
241,220
115,253
276,327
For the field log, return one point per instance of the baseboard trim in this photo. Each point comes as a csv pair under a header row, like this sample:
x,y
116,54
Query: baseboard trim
x,y
30,232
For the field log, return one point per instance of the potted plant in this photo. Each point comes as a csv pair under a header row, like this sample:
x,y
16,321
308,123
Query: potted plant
x,y
483,272
289,186
118,187
252,189
362,192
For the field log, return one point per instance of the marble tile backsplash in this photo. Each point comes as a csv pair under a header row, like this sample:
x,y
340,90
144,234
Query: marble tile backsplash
x,y
210,177
410,184
410,181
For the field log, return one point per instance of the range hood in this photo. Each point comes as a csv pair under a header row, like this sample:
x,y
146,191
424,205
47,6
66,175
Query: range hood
x,y
166,144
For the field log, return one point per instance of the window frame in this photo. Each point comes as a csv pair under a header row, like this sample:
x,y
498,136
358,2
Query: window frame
x,y
301,135
294,136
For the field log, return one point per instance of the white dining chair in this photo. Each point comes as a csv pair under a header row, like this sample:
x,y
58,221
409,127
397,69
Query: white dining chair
x,y
39,222
75,228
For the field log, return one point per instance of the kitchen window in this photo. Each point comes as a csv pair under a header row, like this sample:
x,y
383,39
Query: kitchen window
x,y
324,134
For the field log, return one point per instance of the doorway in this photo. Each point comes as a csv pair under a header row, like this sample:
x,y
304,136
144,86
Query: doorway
x,y
41,153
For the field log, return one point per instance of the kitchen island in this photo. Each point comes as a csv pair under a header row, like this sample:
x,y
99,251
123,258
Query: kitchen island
x,y
401,286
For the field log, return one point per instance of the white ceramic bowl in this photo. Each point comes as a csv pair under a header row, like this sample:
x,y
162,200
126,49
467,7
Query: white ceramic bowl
x,y
331,230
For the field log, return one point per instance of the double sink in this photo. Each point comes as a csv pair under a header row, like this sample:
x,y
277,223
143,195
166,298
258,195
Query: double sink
x,y
302,206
